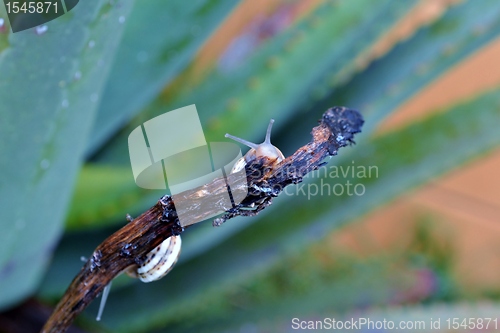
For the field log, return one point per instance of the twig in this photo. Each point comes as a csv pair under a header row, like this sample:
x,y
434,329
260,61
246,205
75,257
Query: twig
x,y
130,244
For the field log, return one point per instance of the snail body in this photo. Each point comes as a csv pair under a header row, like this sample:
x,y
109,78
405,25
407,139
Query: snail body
x,y
257,150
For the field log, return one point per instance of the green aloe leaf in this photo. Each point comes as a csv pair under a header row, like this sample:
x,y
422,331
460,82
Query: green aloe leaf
x,y
327,39
329,279
160,38
274,79
89,210
50,86
399,75
403,159
413,64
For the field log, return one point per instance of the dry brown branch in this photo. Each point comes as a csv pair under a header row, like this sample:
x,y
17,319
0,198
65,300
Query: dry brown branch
x,y
130,244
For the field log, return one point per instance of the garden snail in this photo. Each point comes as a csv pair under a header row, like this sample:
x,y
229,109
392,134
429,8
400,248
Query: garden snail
x,y
159,261
156,265
258,150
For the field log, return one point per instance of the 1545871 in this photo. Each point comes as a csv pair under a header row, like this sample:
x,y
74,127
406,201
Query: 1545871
x,y
472,323
32,7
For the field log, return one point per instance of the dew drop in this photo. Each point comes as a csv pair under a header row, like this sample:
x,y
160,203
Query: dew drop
x,y
77,76
2,24
91,44
94,97
65,103
41,29
121,19
44,164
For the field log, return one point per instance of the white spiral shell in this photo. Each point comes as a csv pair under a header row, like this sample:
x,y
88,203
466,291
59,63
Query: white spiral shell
x,y
157,264
159,261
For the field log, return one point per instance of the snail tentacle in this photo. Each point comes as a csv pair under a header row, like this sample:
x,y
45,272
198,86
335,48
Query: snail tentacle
x,y
258,150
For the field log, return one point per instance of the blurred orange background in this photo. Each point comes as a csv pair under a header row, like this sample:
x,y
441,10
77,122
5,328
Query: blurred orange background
x,y
464,204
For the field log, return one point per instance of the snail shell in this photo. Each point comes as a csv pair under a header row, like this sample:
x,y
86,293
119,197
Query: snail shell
x,y
157,264
258,150
159,261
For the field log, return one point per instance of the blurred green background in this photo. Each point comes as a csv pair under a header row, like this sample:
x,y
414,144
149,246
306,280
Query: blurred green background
x,y
421,241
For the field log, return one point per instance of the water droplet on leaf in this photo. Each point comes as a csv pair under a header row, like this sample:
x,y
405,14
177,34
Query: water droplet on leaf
x,y
44,164
41,29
